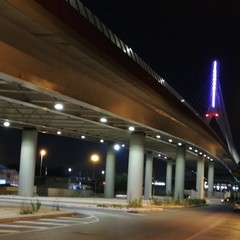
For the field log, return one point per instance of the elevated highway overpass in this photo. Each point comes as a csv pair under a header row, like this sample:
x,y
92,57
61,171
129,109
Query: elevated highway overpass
x,y
50,53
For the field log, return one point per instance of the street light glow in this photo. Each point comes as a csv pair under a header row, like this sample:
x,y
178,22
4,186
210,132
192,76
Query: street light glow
x,y
94,157
43,152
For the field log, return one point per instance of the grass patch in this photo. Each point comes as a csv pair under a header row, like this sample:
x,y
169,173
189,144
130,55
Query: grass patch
x,y
190,201
104,205
33,208
172,202
136,203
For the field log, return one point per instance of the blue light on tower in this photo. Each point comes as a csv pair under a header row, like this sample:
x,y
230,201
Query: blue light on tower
x,y
214,84
212,111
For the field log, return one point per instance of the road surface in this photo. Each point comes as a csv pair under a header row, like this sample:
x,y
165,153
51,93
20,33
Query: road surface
x,y
195,223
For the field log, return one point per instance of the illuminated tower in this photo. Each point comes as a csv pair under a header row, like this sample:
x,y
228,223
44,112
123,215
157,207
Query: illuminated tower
x,y
213,110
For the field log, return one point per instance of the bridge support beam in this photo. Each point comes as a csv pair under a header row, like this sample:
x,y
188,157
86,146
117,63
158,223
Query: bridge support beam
x,y
169,178
110,173
135,166
200,177
27,162
210,178
148,176
180,173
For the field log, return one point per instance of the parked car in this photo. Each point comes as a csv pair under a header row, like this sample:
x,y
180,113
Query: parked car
x,y
236,206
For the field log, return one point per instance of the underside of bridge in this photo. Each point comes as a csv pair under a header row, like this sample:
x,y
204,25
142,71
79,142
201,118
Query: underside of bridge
x,y
50,54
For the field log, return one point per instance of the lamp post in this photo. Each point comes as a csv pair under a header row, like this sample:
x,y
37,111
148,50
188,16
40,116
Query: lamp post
x,y
94,159
42,154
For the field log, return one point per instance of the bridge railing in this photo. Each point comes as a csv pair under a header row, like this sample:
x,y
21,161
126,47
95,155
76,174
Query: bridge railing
x,y
84,11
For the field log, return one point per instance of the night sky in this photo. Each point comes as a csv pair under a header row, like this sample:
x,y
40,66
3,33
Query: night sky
x,y
179,40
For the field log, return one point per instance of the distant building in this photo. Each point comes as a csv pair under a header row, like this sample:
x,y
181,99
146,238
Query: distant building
x,y
8,176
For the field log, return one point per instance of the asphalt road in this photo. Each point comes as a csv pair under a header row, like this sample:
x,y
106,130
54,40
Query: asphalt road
x,y
195,223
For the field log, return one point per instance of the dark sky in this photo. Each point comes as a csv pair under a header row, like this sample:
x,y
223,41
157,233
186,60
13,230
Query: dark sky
x,y
179,40
62,152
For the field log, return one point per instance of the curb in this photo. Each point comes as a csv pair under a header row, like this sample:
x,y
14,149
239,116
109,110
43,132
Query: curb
x,y
40,216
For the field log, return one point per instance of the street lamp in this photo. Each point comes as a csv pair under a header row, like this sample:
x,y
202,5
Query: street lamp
x,y
42,154
94,159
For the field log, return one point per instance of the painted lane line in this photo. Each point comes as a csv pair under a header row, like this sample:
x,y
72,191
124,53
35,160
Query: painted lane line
x,y
43,223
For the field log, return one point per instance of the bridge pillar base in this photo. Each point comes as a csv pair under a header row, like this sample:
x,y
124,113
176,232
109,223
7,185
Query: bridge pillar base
x,y
110,173
180,173
169,178
210,178
135,167
27,162
200,177
148,176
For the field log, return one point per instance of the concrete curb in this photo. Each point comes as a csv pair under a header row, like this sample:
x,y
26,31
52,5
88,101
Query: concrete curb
x,y
37,216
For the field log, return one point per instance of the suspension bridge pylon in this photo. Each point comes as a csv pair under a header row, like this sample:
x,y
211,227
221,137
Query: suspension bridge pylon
x,y
217,110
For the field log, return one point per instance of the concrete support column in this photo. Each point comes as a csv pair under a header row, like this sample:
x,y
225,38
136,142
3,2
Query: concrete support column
x,y
180,173
169,178
210,178
27,162
135,166
148,176
200,177
110,173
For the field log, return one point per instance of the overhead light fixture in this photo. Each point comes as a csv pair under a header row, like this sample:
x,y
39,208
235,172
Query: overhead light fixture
x,y
101,141
6,124
116,147
170,140
131,128
103,119
190,148
159,155
179,144
59,132
123,145
58,106
83,137
158,136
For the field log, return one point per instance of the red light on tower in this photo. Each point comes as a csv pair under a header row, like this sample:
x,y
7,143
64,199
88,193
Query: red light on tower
x,y
212,114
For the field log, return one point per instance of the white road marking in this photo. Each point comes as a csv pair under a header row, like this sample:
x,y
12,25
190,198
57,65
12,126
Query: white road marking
x,y
42,223
61,220
48,222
